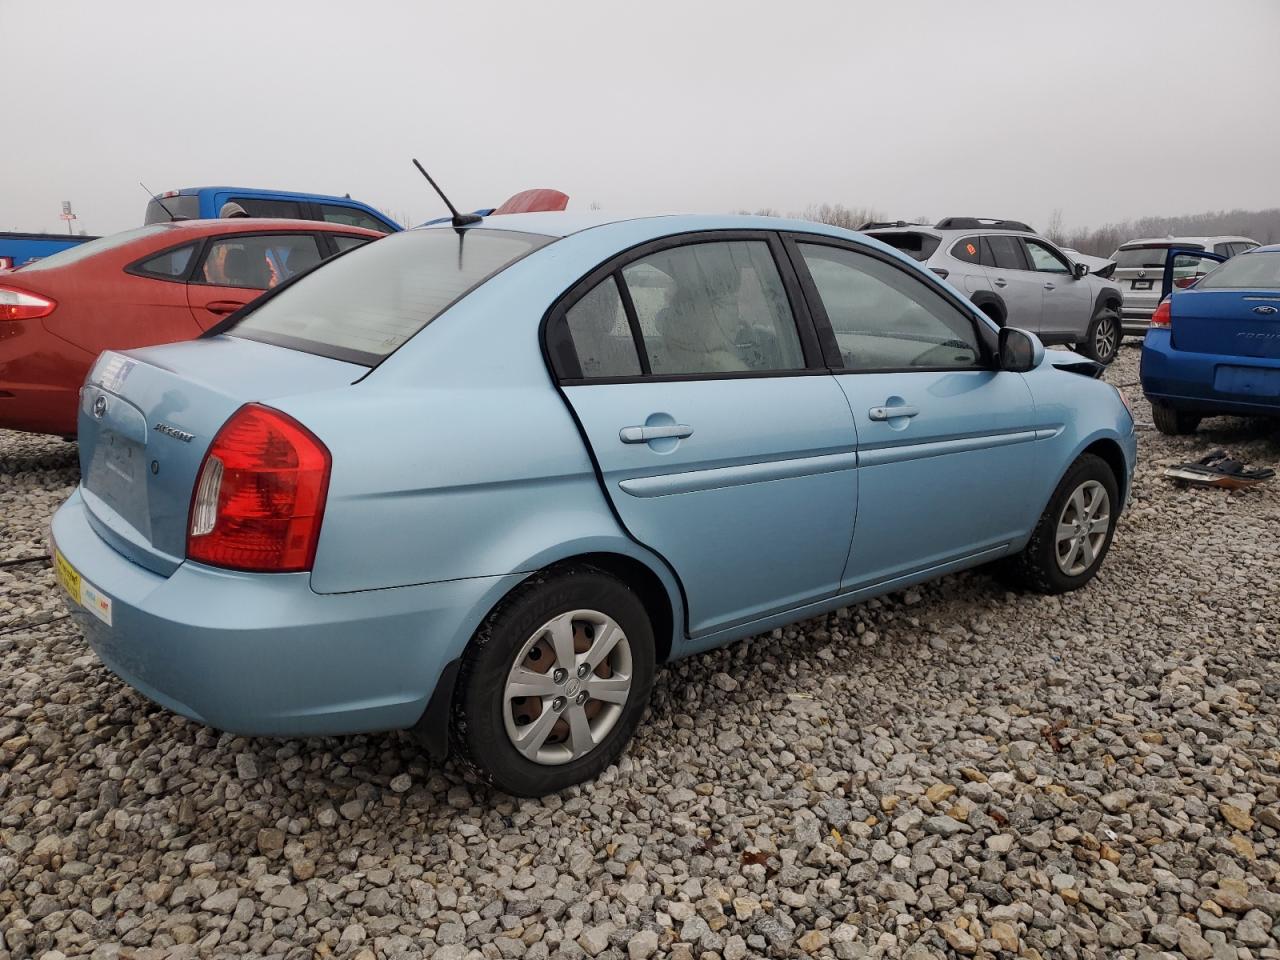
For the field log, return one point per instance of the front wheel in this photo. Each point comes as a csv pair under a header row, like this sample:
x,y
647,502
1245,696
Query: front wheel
x,y
554,682
1173,422
1102,341
1074,533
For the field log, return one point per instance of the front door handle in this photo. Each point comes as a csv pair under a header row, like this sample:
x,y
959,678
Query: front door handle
x,y
1001,282
1048,286
667,431
891,413
223,306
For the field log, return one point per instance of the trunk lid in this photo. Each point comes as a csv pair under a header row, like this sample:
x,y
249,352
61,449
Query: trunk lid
x,y
148,416
1236,323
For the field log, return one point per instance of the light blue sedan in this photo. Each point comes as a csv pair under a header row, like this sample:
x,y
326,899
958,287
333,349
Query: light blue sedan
x,y
477,481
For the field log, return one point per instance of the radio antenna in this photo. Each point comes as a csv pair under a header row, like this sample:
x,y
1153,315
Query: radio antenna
x,y
459,219
156,198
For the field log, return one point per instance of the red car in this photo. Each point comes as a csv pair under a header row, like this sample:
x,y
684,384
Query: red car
x,y
156,284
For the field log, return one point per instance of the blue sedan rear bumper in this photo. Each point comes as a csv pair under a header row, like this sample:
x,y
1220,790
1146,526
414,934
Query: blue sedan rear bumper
x,y
1208,382
263,654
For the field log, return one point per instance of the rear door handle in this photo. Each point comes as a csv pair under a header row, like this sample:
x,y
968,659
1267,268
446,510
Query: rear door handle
x,y
1049,286
223,306
1001,282
669,431
889,413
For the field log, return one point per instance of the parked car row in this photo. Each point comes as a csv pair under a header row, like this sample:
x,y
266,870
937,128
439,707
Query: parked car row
x,y
170,280
478,479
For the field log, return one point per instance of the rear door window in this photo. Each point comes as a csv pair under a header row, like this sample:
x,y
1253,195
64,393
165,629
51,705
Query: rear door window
x,y
351,217
257,262
1006,253
363,307
708,308
258,207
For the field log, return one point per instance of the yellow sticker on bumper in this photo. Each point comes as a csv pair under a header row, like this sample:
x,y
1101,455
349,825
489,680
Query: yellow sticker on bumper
x,y
81,590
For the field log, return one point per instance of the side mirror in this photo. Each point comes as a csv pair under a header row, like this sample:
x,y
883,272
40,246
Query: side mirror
x,y
1081,271
1020,351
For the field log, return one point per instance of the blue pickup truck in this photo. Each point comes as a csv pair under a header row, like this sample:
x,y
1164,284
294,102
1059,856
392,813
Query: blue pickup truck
x,y
206,203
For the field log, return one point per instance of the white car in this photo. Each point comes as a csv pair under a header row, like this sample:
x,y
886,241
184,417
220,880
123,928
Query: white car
x,y
1140,264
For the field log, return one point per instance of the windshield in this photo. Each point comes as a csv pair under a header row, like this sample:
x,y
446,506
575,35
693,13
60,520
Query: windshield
x,y
1249,271
367,303
182,208
1149,256
83,251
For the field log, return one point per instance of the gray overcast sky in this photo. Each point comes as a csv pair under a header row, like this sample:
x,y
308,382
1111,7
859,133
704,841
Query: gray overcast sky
x,y
1106,110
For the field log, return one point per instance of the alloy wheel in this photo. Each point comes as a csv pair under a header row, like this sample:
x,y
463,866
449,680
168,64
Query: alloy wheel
x,y
567,687
1104,338
1082,528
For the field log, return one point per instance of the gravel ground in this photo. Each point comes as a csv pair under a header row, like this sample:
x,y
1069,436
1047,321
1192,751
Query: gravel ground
x,y
952,771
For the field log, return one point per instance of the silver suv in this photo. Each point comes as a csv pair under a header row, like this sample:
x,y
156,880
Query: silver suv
x,y
1017,278
1140,268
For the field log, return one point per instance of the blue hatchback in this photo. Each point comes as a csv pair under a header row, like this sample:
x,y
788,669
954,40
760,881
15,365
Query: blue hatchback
x,y
478,481
1214,348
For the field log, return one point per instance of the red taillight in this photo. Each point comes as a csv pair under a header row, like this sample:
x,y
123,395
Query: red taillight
x,y
1182,283
260,495
1162,319
20,305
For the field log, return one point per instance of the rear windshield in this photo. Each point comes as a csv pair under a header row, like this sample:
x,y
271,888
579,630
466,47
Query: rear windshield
x,y
919,246
182,208
83,251
1149,256
1249,271
361,307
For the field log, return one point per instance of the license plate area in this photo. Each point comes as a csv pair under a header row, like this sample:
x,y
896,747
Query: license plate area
x,y
1141,284
81,590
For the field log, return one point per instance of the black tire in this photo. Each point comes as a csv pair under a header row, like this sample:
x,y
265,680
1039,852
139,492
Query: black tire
x,y
992,311
1036,567
478,729
1102,341
1174,423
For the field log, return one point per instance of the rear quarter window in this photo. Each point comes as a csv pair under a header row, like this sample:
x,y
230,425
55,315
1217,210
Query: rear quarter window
x,y
918,246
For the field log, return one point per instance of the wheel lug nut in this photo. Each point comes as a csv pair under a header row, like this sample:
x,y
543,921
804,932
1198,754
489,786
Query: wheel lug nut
x,y
582,698
583,670
559,675
558,703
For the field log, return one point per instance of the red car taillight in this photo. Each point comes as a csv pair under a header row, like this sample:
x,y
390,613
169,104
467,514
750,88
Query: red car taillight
x,y
1183,283
1162,319
260,495
20,305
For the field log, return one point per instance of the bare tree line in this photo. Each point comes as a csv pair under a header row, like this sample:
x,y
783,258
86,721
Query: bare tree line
x,y
1260,225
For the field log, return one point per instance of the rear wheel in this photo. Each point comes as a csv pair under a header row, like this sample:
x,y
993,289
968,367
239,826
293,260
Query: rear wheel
x,y
1102,340
554,682
1074,533
1174,422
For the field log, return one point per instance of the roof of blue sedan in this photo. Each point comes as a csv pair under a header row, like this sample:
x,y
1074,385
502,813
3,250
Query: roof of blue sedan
x,y
564,223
